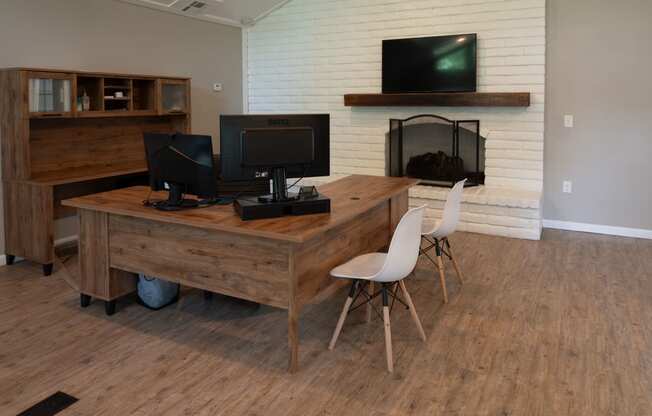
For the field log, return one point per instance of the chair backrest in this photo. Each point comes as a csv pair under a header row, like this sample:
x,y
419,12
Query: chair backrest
x,y
451,214
404,247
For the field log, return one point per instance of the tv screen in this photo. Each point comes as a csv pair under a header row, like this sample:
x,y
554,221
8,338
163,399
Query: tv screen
x,y
432,64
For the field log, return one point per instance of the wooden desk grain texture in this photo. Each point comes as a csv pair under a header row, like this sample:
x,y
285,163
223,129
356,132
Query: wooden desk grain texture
x,y
282,262
350,197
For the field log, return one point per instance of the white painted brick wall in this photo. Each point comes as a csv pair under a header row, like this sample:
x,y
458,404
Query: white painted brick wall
x,y
306,55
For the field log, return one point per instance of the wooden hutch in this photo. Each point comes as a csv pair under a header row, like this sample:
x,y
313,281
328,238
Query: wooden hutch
x,y
72,133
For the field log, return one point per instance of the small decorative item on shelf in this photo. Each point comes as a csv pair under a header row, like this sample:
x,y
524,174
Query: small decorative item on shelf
x,y
86,102
119,94
80,106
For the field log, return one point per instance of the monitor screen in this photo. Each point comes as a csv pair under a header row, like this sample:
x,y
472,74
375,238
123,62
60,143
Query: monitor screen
x,y
182,159
277,147
252,144
430,64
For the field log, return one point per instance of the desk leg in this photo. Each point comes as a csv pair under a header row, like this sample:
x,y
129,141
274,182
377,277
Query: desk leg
x,y
97,278
293,339
293,317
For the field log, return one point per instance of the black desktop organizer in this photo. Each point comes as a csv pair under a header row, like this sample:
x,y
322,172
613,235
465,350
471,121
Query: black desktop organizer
x,y
280,203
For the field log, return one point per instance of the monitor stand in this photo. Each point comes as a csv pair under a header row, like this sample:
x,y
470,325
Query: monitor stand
x,y
280,202
279,188
175,201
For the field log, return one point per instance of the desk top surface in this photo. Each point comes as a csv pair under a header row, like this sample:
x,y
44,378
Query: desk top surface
x,y
84,174
350,196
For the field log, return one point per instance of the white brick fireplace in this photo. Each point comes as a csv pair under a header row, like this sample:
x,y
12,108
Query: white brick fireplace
x,y
306,55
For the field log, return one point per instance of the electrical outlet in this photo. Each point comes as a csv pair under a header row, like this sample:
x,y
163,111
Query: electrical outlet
x,y
217,87
567,187
569,120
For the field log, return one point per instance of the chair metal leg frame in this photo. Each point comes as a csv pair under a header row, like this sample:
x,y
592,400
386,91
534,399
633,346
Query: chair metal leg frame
x,y
369,298
433,244
448,252
386,292
364,291
439,263
452,257
347,307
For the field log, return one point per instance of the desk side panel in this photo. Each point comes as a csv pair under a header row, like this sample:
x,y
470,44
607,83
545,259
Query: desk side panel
x,y
96,277
365,233
29,228
246,267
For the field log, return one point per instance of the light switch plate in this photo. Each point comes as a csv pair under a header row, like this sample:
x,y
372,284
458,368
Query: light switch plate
x,y
567,187
217,87
569,120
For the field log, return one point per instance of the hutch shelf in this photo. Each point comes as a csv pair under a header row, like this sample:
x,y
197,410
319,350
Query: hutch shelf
x,y
72,133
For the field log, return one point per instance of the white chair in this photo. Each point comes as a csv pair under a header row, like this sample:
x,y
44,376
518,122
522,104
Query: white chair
x,y
389,269
436,235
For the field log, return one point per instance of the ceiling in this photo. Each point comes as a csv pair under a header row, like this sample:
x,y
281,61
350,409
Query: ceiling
x,y
231,12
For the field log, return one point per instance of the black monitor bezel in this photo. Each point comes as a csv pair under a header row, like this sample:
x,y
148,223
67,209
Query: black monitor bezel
x,y
231,126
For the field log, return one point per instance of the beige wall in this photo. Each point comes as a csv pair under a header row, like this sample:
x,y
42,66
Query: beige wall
x,y
106,35
598,69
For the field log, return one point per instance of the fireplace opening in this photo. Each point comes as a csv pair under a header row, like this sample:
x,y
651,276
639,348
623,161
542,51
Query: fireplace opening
x,y
436,150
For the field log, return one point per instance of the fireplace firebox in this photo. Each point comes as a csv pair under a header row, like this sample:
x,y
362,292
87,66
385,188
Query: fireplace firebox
x,y
436,150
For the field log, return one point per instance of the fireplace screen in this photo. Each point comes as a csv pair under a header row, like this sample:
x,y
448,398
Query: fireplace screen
x,y
436,150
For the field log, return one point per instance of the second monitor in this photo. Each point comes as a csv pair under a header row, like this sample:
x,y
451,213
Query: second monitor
x,y
294,145
277,147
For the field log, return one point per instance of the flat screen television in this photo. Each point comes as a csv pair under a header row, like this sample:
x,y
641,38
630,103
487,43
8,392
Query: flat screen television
x,y
430,64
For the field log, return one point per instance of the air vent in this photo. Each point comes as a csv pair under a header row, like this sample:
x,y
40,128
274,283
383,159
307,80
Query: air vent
x,y
162,3
196,7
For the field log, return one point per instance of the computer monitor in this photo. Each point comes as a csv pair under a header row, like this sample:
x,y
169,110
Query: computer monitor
x,y
185,163
276,146
268,147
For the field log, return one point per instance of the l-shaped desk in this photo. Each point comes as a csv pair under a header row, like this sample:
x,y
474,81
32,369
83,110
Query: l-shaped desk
x,y
282,262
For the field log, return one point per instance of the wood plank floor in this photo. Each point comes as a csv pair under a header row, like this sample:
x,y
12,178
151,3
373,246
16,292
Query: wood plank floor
x,y
557,327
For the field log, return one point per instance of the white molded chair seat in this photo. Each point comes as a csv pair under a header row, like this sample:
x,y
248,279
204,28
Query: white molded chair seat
x,y
389,269
363,267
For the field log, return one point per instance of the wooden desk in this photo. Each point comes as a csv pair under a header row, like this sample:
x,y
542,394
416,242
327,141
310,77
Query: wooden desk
x,y
282,262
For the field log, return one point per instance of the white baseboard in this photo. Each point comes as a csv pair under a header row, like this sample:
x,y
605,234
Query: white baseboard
x,y
598,229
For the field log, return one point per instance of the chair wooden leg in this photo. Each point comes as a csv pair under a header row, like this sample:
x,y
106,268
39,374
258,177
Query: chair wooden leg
x,y
388,331
455,265
345,312
413,310
370,291
388,340
440,266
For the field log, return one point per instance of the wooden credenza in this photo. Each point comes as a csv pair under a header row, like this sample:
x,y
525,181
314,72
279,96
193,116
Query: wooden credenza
x,y
73,133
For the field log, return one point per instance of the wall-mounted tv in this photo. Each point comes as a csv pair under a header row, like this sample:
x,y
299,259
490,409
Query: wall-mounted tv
x,y
430,64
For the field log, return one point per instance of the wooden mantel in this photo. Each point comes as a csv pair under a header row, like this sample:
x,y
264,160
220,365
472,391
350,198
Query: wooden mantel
x,y
453,99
